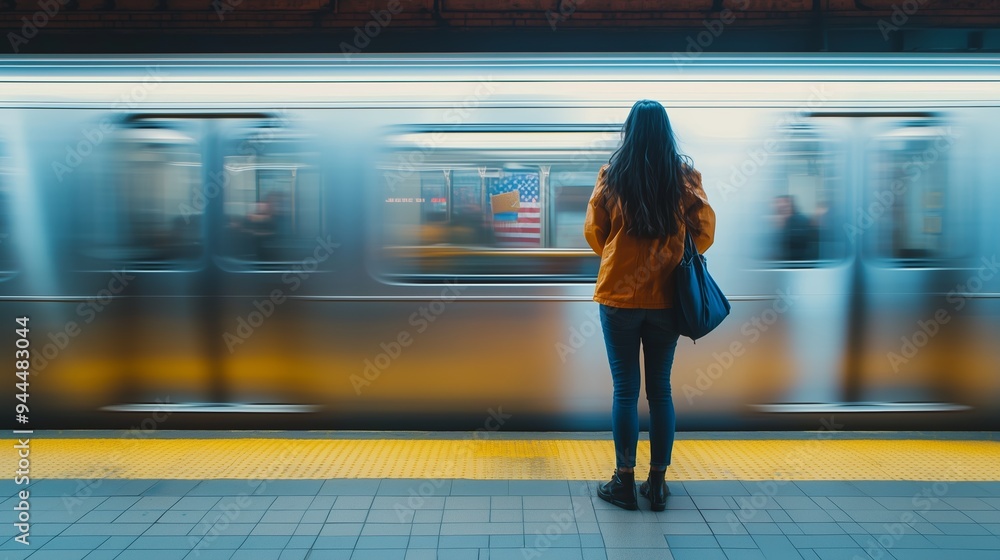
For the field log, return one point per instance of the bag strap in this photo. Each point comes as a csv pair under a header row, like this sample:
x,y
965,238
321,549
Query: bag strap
x,y
689,246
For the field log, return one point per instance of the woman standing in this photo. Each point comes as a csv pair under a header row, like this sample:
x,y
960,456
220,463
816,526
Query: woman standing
x,y
645,201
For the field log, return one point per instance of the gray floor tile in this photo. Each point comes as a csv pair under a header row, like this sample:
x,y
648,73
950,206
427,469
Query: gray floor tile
x,y
288,488
323,502
421,554
635,554
483,529
698,554
545,554
736,541
601,554
902,488
314,516
109,529
949,516
175,529
744,554
809,516
335,542
117,503
347,516
632,535
710,502
395,529
506,516
538,488
76,542
686,529
772,488
152,555
282,516
308,529
350,487
822,541
716,488
155,503
465,516
48,529
938,554
423,541
967,504
882,516
224,488
275,529
845,553
848,503
395,515
384,554
203,503
692,541
341,530
181,516
464,541
266,541
977,542
508,502
293,502
479,487
763,529
414,487
983,516
246,554
100,516
820,528
396,541
675,502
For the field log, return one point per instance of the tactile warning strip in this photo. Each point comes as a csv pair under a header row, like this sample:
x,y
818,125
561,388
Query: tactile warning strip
x,y
263,458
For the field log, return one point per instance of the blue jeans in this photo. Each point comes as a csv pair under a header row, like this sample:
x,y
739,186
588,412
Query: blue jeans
x,y
656,329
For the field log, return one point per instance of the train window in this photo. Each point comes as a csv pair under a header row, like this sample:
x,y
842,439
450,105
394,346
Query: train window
x,y
571,187
805,204
909,194
273,209
490,204
8,255
144,210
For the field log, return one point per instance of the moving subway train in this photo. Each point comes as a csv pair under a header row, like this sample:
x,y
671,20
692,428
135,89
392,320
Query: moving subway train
x,y
396,241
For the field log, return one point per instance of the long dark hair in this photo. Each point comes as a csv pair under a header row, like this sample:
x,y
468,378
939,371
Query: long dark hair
x,y
647,175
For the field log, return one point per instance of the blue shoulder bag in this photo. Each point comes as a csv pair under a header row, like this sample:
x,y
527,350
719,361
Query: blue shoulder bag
x,y
700,304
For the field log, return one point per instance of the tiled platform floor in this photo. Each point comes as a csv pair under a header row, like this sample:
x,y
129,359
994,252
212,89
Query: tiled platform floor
x,y
500,519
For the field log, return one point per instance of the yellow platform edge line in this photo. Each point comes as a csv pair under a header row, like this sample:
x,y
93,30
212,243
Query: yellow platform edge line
x,y
484,459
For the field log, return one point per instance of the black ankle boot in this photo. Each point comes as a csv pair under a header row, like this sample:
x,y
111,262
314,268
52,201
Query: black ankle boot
x,y
620,491
655,490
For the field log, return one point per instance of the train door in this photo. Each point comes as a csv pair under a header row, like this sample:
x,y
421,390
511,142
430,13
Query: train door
x,y
866,232
273,249
912,235
140,255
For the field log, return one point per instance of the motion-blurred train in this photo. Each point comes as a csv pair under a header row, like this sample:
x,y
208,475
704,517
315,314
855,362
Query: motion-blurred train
x,y
395,242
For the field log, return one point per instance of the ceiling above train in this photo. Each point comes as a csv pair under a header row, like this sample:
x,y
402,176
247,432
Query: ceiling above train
x,y
353,26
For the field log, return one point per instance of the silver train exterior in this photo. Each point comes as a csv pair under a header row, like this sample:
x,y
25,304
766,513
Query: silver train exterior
x,y
318,242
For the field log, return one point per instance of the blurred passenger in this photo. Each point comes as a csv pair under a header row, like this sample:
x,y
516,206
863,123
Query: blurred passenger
x,y
822,223
644,202
796,234
270,219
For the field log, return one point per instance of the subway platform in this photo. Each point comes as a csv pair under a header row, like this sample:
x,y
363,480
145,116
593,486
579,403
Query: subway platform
x,y
102,495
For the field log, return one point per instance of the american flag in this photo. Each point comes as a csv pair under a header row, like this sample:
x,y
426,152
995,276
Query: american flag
x,y
526,229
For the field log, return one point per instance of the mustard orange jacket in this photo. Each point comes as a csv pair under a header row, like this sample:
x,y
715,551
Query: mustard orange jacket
x,y
638,272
